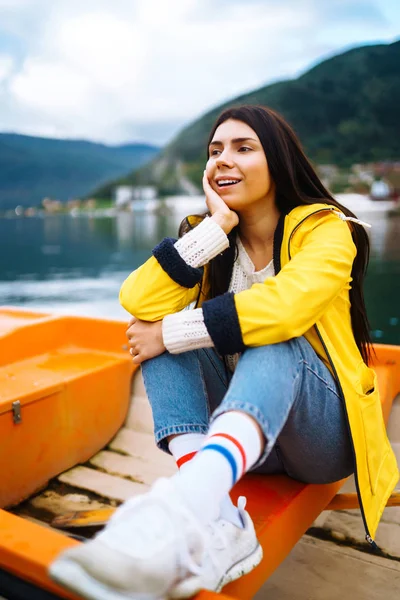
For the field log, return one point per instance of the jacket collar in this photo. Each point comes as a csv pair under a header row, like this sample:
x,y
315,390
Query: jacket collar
x,y
278,237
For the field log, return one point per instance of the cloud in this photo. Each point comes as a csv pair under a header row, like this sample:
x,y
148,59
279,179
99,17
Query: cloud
x,y
141,69
109,50
13,5
51,88
6,65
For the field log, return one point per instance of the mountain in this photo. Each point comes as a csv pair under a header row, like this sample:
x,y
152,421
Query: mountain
x,y
32,168
345,110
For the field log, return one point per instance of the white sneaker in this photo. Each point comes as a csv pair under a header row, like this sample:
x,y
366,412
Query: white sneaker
x,y
154,548
230,552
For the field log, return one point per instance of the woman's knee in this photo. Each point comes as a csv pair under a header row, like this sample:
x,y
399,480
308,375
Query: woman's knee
x,y
275,360
169,372
168,366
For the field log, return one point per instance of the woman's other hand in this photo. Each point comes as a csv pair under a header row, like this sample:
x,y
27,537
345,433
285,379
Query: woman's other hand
x,y
145,339
226,218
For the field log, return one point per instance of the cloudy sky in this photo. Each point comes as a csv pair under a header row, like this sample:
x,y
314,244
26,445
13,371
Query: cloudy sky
x,y
129,70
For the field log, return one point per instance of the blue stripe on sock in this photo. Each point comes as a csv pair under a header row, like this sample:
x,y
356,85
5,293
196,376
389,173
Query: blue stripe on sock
x,y
229,457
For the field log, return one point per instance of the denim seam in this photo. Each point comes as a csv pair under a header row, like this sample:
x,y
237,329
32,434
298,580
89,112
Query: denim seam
x,y
183,428
328,385
144,383
210,358
205,391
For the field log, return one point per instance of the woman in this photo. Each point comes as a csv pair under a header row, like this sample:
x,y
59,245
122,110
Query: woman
x,y
269,371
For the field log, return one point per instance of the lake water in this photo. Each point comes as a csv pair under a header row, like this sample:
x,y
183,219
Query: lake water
x,y
75,265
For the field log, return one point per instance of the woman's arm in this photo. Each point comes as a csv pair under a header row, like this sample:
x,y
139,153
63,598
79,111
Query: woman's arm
x,y
171,278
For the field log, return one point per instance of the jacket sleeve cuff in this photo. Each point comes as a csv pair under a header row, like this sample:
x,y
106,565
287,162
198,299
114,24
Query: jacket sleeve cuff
x,y
184,331
174,265
222,322
204,242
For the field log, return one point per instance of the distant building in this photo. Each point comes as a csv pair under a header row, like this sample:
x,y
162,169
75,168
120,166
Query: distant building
x,y
380,190
73,203
145,192
125,195
30,212
90,203
52,206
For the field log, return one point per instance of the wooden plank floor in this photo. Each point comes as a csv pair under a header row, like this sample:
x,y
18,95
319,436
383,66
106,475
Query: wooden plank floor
x,y
321,570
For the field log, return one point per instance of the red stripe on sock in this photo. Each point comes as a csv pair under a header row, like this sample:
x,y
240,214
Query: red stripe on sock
x,y
237,444
185,458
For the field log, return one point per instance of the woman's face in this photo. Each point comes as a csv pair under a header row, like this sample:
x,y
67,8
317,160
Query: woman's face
x,y
237,167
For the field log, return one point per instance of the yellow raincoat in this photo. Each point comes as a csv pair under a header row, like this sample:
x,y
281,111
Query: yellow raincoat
x,y
309,296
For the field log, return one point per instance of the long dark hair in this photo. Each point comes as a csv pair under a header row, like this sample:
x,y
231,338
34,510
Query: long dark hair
x,y
296,183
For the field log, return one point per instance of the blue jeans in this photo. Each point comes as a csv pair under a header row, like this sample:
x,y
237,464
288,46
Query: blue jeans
x,y
285,387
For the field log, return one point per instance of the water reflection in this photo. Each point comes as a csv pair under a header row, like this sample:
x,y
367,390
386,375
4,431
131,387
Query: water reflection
x,y
384,236
77,265
382,288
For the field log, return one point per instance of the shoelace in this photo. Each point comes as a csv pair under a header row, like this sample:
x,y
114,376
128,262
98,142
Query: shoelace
x,y
216,533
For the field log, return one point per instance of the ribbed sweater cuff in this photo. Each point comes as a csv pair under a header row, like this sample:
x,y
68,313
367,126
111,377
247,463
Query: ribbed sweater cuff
x,y
184,331
204,242
173,264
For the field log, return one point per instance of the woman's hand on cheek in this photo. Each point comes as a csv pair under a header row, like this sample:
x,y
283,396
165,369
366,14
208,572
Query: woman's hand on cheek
x,y
145,339
226,218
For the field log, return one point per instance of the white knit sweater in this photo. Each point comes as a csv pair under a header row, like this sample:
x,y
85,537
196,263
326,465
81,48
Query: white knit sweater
x,y
186,330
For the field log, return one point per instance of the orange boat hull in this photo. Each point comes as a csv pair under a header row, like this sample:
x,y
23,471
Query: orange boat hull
x,y
65,385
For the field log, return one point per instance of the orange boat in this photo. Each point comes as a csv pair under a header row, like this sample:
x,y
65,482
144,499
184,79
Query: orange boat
x,y
75,444
64,393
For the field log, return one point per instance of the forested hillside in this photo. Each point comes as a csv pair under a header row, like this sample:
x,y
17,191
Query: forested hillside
x,y
32,168
345,110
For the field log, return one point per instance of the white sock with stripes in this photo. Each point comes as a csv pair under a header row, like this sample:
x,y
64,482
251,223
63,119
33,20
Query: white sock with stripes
x,y
183,448
231,447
